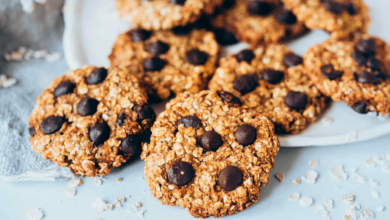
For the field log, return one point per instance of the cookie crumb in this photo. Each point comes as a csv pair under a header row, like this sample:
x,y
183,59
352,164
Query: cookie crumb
x,y
328,203
313,163
327,121
35,214
120,179
370,163
98,182
99,205
280,177
296,181
338,172
6,82
311,177
306,201
75,183
348,199
294,196
137,205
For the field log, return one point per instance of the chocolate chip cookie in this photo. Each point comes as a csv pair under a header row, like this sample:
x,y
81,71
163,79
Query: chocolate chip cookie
x,y
164,14
168,62
341,18
91,120
356,72
209,154
258,22
271,80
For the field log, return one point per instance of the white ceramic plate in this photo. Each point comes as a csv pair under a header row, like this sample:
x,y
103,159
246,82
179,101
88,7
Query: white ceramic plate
x,y
91,27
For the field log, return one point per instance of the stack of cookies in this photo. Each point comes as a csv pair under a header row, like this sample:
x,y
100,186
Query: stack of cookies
x,y
214,146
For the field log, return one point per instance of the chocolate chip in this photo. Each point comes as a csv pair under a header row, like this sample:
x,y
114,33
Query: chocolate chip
x,y
139,35
229,98
158,47
32,131
351,9
360,58
52,124
211,141
224,37
329,72
367,77
64,88
99,133
333,6
366,46
196,57
273,76
228,4
261,8
153,64
130,145
245,83
245,134
360,107
178,2
286,17
296,100
190,121
374,64
245,55
146,136
121,120
87,106
97,76
146,113
291,59
382,76
182,30
181,173
203,23
230,178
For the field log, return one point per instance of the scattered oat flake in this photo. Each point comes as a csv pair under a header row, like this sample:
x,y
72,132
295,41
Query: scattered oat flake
x,y
311,177
54,57
306,201
375,194
137,205
141,213
338,172
359,178
348,198
327,121
6,82
374,183
35,214
369,214
352,136
386,169
99,205
280,177
313,163
98,182
75,183
294,196
70,192
296,181
120,179
320,207
328,203
370,163
380,208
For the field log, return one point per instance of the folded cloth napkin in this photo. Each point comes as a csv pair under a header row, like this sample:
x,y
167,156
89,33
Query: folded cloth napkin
x,y
39,30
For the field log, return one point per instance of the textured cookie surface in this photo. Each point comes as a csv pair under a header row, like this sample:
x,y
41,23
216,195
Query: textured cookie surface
x,y
168,61
257,22
272,81
91,120
341,18
209,154
164,14
356,72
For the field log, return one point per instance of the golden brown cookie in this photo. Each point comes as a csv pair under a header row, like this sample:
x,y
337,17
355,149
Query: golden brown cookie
x,y
356,72
164,14
258,22
341,18
168,61
271,80
209,154
91,120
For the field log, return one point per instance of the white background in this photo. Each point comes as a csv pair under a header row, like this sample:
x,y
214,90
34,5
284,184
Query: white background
x,y
17,198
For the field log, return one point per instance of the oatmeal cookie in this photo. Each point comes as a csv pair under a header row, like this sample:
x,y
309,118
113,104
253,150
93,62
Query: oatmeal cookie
x,y
168,62
341,18
272,80
164,14
258,22
209,154
91,120
356,72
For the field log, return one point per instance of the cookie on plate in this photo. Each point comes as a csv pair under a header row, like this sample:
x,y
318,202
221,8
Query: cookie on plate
x,y
164,14
271,80
257,22
356,72
168,62
341,18
91,120
209,154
